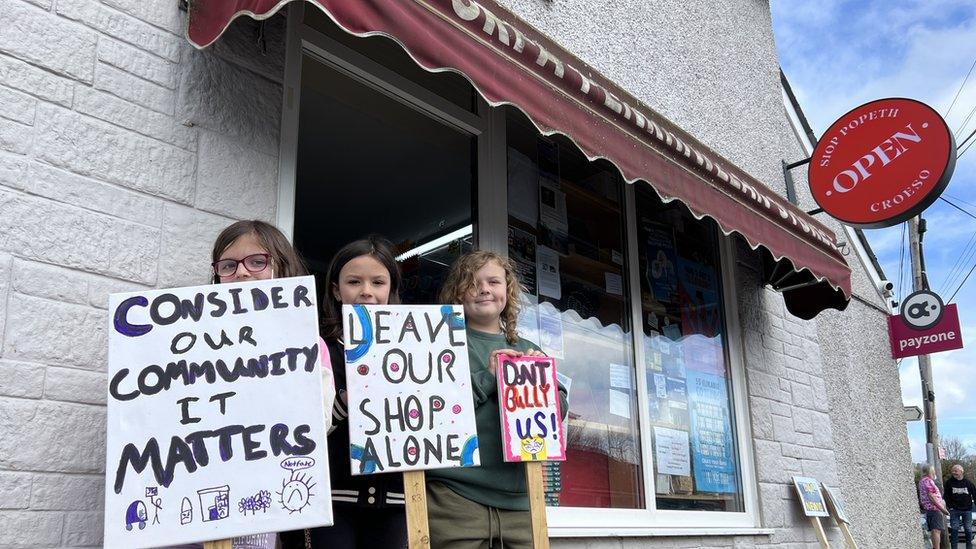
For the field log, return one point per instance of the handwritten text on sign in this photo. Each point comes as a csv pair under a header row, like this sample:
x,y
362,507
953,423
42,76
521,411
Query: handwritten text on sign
x,y
410,401
215,415
528,399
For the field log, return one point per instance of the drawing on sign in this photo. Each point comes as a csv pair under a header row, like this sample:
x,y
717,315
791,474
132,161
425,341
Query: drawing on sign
x,y
152,493
186,511
410,403
534,448
214,503
258,502
296,490
136,515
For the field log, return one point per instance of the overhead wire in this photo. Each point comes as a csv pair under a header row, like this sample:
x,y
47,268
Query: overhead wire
x,y
961,86
968,274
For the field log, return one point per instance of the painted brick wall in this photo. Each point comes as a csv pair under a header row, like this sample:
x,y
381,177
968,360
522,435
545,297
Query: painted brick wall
x,y
123,151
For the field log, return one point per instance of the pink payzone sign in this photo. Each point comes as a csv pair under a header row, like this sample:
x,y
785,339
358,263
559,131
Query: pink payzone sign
x,y
906,341
528,400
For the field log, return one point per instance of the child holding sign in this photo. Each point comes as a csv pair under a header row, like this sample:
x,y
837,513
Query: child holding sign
x,y
255,250
487,503
368,510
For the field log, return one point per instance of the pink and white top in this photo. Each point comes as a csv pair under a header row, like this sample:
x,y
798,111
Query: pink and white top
x,y
928,494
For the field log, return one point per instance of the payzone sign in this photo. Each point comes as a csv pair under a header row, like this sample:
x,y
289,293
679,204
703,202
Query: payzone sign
x,y
882,163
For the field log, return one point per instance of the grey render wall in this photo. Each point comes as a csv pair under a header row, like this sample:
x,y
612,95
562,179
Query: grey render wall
x,y
825,398
123,151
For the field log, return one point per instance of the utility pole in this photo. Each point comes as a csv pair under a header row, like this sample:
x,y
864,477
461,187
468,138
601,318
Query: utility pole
x,y
920,282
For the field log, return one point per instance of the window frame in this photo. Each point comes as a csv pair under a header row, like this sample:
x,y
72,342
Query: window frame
x,y
488,126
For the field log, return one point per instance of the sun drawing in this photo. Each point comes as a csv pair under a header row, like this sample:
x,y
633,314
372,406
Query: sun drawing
x,y
295,493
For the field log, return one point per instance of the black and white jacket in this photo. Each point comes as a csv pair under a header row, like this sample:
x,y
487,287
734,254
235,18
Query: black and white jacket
x,y
380,490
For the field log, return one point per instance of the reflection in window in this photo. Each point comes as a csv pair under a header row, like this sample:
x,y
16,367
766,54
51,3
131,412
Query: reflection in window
x,y
687,374
566,238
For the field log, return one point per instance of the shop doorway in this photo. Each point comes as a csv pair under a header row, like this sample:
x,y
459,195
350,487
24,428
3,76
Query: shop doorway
x,y
383,148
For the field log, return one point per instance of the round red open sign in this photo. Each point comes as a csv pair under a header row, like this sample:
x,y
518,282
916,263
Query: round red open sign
x,y
882,163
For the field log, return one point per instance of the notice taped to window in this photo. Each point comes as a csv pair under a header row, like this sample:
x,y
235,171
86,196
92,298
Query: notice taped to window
x,y
216,422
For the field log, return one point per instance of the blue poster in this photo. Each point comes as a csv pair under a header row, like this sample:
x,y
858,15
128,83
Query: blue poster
x,y
712,449
661,259
698,298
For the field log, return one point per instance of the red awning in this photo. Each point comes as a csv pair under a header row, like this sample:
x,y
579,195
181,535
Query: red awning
x,y
509,62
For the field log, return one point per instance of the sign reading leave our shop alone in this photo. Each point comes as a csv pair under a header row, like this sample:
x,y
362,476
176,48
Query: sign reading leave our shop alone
x,y
882,163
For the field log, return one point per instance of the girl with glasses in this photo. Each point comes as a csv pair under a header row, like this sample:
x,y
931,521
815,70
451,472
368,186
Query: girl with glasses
x,y
255,250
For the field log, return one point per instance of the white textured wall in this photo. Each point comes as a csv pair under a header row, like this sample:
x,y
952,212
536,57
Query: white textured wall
x,y
123,152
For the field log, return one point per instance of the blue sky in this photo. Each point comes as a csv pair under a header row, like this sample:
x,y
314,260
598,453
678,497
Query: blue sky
x,y
840,54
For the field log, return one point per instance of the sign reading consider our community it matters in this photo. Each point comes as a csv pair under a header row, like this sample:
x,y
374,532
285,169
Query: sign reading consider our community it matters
x,y
410,401
215,414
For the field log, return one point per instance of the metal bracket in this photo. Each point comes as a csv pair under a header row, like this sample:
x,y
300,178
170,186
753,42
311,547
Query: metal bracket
x,y
797,164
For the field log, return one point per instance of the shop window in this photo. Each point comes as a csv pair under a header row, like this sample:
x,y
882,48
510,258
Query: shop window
x,y
692,427
566,236
370,163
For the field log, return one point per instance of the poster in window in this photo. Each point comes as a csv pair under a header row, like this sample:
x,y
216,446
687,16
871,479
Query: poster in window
x,y
698,298
712,450
671,451
660,271
521,250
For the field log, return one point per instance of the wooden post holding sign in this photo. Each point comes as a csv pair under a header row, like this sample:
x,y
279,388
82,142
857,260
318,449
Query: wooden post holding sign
x,y
836,509
532,428
410,402
216,421
812,501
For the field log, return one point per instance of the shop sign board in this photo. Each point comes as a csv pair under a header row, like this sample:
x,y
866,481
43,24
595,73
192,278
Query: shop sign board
x,y
811,498
409,388
924,326
216,421
528,398
882,163
834,505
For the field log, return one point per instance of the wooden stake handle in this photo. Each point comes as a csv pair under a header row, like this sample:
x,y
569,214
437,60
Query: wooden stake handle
x,y
819,530
219,544
537,504
848,538
415,494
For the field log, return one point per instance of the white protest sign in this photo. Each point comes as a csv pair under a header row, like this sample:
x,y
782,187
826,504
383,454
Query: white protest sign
x,y
410,400
528,401
216,422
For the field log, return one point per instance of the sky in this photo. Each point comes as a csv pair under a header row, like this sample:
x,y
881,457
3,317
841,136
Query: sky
x,y
840,54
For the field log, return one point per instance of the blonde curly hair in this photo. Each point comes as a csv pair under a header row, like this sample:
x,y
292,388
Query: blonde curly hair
x,y
461,279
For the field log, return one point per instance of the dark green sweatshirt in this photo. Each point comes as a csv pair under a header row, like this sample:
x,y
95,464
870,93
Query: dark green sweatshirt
x,y
495,483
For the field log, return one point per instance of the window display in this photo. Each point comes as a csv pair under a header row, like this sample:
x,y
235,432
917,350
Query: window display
x,y
566,238
689,393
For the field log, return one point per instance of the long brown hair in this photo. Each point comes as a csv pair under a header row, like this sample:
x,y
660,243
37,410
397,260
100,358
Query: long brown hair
x,y
461,279
284,259
374,246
